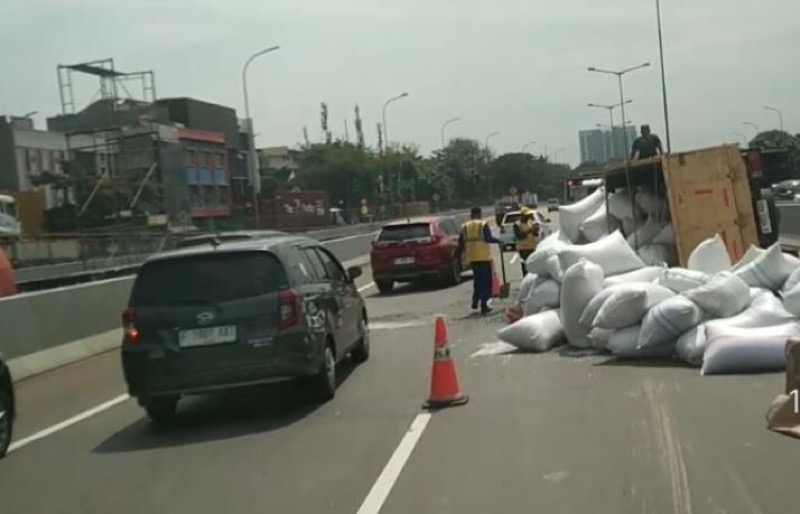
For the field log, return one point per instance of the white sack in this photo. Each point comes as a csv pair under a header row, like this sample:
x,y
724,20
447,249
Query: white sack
x,y
749,256
612,253
595,226
545,294
791,301
650,204
530,281
549,246
791,281
755,292
648,274
665,237
624,344
658,255
553,267
620,205
581,282
600,337
710,256
537,333
769,270
736,350
681,279
723,296
765,311
645,233
571,216
666,321
628,304
691,346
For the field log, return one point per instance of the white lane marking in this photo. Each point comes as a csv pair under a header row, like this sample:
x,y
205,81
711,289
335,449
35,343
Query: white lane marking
x,y
16,445
394,325
383,486
365,287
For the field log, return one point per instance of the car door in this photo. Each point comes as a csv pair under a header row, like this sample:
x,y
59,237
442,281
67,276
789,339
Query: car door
x,y
346,297
321,290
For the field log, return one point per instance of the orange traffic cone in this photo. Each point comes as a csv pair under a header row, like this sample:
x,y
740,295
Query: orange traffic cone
x,y
495,283
445,391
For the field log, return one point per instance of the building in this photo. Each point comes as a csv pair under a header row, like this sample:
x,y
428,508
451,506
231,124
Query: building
x,y
601,145
205,159
28,154
278,158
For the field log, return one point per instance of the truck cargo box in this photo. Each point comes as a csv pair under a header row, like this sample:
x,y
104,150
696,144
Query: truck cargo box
x,y
707,192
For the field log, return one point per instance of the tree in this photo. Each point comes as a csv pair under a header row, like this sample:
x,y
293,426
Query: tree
x,y
359,128
324,122
780,140
462,166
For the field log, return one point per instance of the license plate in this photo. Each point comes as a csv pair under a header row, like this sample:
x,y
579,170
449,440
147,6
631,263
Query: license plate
x,y
207,336
402,261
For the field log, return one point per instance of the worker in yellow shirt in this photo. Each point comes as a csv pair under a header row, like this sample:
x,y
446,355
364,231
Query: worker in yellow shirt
x,y
476,239
526,232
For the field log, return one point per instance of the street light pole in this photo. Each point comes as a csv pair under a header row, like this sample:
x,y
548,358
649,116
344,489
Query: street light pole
x,y
619,75
751,124
555,157
255,179
385,128
486,146
526,145
663,76
445,124
610,109
776,111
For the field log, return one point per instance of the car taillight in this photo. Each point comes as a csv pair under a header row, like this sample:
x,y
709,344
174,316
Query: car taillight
x,y
130,334
289,309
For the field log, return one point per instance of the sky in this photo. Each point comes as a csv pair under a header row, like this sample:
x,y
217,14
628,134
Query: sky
x,y
517,66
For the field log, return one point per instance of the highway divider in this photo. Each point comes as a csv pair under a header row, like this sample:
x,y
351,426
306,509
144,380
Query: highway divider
x,y
38,322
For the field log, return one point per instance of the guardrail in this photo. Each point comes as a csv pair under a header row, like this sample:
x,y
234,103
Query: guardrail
x,y
35,278
41,320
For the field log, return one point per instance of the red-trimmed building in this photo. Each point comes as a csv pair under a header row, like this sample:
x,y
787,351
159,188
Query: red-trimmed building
x,y
205,160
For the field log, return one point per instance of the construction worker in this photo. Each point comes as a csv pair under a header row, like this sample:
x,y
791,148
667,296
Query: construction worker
x,y
647,145
475,239
526,232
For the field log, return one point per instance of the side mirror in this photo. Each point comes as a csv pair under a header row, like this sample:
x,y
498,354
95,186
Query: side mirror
x,y
354,272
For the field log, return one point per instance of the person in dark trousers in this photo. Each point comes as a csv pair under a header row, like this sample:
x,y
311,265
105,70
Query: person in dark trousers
x,y
647,145
526,232
475,240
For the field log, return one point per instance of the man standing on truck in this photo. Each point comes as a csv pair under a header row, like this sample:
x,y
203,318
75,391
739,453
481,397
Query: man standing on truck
x,y
526,232
475,239
647,145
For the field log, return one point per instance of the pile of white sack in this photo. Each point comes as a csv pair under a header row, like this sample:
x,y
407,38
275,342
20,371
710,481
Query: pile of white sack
x,y
722,317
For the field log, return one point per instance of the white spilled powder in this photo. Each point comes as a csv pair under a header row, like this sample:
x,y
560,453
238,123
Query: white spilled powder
x,y
495,348
393,325
556,476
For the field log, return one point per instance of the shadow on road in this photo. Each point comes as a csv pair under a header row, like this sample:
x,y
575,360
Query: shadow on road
x,y
220,416
644,363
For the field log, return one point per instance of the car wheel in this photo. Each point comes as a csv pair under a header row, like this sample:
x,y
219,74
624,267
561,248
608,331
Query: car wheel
x,y
161,409
325,381
361,352
385,286
6,423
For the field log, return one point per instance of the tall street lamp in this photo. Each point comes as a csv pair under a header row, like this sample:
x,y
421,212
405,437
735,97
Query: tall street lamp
x,y
255,179
555,157
385,105
663,76
753,125
776,111
610,109
444,125
29,114
526,145
619,75
486,146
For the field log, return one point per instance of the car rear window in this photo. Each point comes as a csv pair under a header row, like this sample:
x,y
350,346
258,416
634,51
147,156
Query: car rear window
x,y
405,232
208,278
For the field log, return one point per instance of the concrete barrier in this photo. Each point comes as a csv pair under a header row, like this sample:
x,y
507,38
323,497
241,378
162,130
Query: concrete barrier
x,y
36,322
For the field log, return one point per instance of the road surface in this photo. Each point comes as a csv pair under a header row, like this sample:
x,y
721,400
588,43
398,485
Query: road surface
x,y
548,433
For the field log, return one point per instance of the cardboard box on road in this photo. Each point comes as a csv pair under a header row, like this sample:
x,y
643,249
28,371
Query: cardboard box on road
x,y
783,415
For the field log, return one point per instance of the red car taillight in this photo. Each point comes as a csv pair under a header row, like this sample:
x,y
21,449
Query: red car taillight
x,y
288,309
130,334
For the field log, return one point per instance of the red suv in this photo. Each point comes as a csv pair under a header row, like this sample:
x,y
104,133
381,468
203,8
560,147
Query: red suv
x,y
416,249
